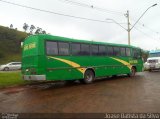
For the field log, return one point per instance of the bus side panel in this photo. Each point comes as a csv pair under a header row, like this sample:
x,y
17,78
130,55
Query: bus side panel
x,y
76,74
105,66
138,64
82,62
124,68
58,70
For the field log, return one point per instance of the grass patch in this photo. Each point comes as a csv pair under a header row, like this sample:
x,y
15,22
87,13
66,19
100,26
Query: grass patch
x,y
11,79
10,58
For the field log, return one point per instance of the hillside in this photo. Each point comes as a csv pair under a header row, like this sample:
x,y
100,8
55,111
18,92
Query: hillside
x,y
10,44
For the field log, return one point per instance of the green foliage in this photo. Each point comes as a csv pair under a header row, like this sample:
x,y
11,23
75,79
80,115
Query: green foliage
x,y
1,54
11,79
145,55
10,44
32,27
25,27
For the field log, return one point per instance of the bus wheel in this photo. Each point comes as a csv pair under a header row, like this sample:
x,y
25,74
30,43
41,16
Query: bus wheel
x,y
133,72
88,77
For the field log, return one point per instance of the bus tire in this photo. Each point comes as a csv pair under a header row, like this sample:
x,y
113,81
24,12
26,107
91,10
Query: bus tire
x,y
133,72
88,77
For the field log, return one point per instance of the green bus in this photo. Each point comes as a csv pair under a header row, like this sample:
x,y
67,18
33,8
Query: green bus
x,y
47,57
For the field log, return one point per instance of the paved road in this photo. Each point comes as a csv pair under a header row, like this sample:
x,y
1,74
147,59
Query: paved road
x,y
121,94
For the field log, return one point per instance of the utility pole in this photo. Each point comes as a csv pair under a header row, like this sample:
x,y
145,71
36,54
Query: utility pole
x,y
128,29
128,23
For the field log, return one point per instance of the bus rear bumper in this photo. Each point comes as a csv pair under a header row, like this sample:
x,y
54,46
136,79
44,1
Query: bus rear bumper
x,y
34,77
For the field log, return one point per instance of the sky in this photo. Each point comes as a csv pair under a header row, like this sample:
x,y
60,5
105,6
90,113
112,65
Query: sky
x,y
145,34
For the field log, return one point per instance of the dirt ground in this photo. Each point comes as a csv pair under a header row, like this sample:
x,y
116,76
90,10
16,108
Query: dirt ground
x,y
139,94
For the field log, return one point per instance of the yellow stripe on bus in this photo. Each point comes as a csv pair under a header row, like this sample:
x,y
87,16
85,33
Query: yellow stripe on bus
x,y
123,62
82,70
73,64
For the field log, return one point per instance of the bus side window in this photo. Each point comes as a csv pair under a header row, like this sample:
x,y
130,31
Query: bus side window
x,y
75,48
85,49
116,51
109,50
63,48
51,48
94,49
102,50
123,51
128,52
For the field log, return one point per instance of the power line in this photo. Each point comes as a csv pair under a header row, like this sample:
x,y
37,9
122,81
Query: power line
x,y
144,26
56,13
150,29
145,34
92,7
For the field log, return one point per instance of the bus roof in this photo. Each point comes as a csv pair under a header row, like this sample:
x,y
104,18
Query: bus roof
x,y
50,37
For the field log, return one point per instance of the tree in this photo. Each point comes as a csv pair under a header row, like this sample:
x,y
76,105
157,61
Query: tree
x,y
11,26
1,55
145,55
38,31
32,27
43,32
25,27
